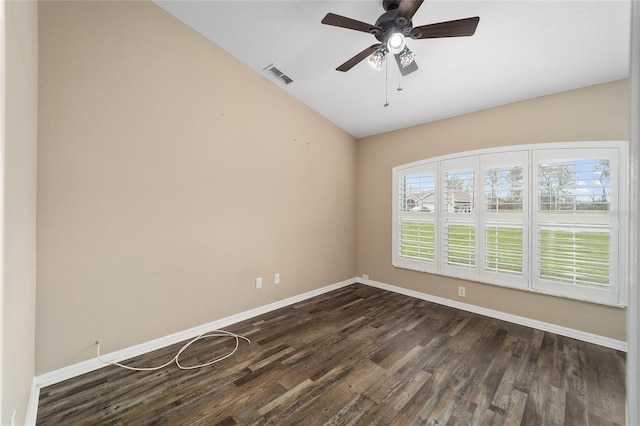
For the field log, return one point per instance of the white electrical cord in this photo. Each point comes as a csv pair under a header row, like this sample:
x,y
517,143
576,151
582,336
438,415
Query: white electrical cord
x,y
213,333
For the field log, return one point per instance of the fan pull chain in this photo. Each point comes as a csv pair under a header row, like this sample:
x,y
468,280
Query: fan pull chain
x,y
386,83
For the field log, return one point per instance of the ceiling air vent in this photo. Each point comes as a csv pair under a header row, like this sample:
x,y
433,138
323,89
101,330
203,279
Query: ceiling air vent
x,y
279,74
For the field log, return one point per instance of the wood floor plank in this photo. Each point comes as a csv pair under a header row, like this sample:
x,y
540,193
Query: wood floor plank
x,y
352,413
557,408
358,356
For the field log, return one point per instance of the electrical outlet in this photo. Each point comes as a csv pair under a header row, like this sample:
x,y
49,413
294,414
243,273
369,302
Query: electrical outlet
x,y
365,276
259,282
461,291
276,279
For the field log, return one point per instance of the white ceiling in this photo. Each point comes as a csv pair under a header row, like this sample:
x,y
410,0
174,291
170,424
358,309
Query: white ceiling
x,y
521,49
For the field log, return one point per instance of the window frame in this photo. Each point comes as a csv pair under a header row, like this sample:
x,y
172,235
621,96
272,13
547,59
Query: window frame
x,y
400,217
465,218
580,221
529,221
487,162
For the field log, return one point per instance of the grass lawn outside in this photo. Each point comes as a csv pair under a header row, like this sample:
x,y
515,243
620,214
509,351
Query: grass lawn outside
x,y
573,257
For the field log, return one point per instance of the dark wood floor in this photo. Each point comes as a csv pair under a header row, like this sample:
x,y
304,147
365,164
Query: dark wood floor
x,y
359,355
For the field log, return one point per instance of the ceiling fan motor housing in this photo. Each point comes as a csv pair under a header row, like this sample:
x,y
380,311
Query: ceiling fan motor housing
x,y
388,24
390,4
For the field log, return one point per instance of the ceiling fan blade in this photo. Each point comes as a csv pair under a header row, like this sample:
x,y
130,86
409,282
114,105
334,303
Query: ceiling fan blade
x,y
408,69
358,58
458,28
351,24
408,8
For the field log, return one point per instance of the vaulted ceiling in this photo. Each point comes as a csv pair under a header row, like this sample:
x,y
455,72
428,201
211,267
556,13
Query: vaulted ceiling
x,y
521,49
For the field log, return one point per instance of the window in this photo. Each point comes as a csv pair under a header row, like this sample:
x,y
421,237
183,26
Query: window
x,y
503,218
415,203
540,217
459,216
575,222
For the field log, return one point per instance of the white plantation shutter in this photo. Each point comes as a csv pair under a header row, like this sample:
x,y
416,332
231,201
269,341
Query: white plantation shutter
x,y
504,218
415,190
459,216
503,248
575,254
576,248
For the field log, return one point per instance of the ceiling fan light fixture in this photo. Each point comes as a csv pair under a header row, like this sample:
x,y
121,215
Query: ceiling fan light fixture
x,y
377,58
407,56
396,42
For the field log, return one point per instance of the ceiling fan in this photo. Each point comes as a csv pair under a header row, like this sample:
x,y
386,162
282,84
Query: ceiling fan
x,y
392,28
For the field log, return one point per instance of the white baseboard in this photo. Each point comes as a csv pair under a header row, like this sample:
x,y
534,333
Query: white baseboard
x,y
83,367
540,325
89,365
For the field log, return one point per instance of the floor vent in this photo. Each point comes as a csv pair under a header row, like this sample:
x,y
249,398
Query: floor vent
x,y
279,74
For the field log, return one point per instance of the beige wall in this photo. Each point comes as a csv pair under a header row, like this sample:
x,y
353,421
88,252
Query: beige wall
x,y
18,189
170,176
594,113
